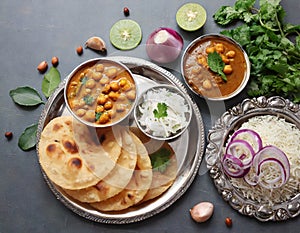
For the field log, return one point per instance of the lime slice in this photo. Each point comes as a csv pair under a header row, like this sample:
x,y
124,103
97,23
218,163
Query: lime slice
x,y
125,34
191,16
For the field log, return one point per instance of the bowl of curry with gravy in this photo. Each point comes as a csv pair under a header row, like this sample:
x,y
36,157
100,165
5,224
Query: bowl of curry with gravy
x,y
220,51
100,92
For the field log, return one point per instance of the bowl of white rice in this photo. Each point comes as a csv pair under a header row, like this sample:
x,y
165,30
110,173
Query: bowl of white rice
x,y
163,112
277,122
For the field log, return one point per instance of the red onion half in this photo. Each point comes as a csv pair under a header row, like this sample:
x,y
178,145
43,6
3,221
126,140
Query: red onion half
x,y
164,45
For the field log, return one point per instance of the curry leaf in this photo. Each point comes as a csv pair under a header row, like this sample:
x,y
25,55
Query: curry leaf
x,y
216,64
50,82
26,96
27,140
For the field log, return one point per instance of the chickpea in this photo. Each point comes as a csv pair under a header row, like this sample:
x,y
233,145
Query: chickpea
x,y
207,84
106,89
104,80
111,72
227,69
108,105
104,118
127,87
219,47
196,70
80,112
123,82
97,76
89,73
120,107
114,86
202,60
77,103
101,99
122,96
100,108
230,54
210,49
225,59
113,95
131,95
99,67
111,113
90,115
90,83
87,91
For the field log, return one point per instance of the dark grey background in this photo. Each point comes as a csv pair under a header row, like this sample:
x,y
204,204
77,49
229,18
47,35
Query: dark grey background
x,y
32,31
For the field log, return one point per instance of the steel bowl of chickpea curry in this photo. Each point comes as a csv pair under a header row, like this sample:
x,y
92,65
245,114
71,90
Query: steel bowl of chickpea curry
x,y
215,67
100,92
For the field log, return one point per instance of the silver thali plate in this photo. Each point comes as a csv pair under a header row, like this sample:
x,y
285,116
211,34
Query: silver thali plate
x,y
218,136
189,147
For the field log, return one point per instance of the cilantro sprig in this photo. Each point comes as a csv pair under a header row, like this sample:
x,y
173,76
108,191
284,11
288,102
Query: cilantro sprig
x,y
272,45
161,110
216,64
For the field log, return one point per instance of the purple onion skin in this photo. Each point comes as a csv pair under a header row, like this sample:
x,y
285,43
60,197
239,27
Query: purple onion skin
x,y
167,51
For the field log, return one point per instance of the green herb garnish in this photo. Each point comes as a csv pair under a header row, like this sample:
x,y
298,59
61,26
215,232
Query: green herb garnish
x,y
161,110
160,160
216,64
97,115
83,80
88,99
274,57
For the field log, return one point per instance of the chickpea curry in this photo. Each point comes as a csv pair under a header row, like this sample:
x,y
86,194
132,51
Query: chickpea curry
x,y
102,93
206,82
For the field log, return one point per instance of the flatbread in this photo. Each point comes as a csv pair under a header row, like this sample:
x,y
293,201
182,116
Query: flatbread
x,y
59,156
139,183
161,181
112,184
99,148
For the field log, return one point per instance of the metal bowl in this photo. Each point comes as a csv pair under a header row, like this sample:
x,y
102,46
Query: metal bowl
x,y
217,137
88,64
205,40
171,92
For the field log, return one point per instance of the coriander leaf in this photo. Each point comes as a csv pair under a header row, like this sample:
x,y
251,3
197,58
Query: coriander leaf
x,y
88,99
160,159
161,110
98,115
83,80
27,140
50,82
26,96
216,64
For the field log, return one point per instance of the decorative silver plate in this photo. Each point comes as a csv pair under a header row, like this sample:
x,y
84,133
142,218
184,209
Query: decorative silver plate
x,y
189,148
218,135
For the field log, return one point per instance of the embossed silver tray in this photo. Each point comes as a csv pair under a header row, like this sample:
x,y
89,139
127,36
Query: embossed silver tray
x,y
189,148
218,135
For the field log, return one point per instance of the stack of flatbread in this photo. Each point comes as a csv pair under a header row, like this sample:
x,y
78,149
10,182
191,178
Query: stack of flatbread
x,y
109,168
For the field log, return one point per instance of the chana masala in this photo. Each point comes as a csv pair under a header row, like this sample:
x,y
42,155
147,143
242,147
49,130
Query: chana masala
x,y
101,93
206,82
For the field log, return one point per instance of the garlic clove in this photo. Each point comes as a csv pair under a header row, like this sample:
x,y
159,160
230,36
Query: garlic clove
x,y
96,43
202,211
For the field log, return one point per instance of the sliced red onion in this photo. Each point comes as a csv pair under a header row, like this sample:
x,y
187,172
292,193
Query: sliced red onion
x,y
269,155
164,45
234,166
256,139
242,150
